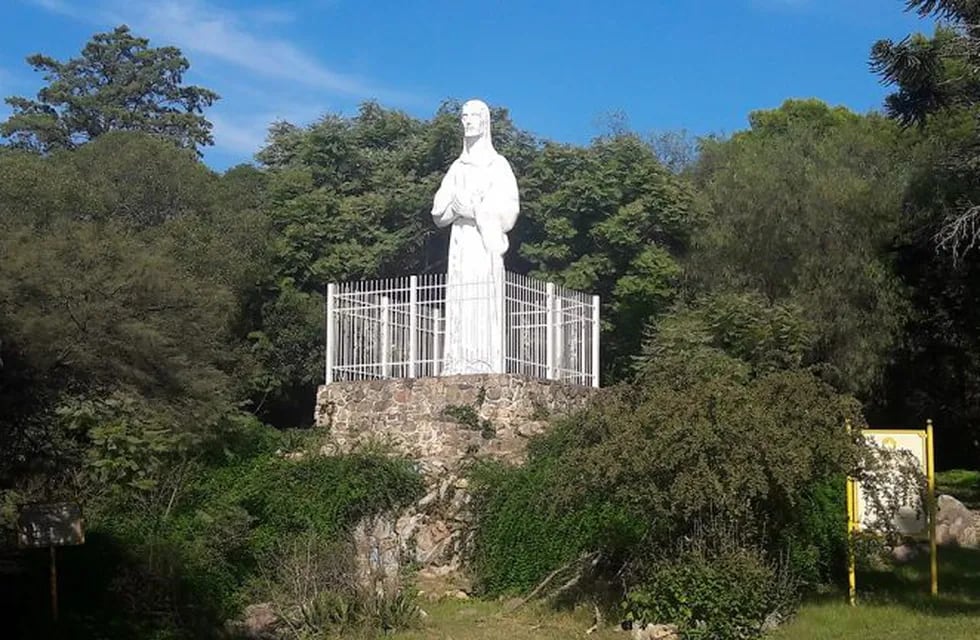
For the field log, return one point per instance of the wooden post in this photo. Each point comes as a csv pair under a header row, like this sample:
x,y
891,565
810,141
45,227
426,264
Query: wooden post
x,y
54,583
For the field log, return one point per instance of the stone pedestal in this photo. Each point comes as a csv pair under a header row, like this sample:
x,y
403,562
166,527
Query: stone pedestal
x,y
441,424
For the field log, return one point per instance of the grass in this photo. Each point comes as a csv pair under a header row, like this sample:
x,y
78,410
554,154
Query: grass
x,y
962,485
896,605
490,620
893,605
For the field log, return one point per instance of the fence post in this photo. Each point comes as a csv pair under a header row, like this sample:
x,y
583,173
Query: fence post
x,y
549,332
385,337
331,332
502,318
559,336
595,341
437,333
413,325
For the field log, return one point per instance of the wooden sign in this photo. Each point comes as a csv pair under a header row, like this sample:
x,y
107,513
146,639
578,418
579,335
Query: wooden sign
x,y
57,524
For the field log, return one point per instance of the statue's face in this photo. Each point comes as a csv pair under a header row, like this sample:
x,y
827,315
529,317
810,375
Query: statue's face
x,y
473,122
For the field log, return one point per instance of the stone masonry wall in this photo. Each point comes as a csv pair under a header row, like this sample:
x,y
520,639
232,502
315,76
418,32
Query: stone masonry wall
x,y
440,423
410,414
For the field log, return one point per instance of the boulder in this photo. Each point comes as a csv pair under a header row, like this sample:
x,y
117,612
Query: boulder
x,y
259,621
905,553
956,524
656,632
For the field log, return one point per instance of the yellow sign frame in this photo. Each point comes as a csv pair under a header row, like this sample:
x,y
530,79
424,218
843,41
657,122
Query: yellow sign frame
x,y
853,524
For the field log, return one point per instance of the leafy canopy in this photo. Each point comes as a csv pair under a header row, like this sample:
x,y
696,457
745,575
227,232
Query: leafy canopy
x,y
804,210
118,83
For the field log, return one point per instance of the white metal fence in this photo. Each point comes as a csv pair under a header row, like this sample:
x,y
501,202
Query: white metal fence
x,y
396,328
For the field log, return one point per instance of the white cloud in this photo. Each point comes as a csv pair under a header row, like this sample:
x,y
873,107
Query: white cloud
x,y
245,134
196,27
254,69
199,27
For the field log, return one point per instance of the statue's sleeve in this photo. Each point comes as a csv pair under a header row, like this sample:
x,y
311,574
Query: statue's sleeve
x,y
442,209
503,201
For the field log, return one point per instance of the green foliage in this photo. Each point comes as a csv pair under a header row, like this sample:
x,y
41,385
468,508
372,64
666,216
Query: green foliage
x,y
350,198
335,615
127,275
469,417
937,88
805,209
961,484
724,424
310,585
522,535
722,596
285,351
126,447
726,333
118,84
608,219
201,552
90,299
816,542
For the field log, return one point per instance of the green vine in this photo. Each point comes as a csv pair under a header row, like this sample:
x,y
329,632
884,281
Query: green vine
x,y
467,415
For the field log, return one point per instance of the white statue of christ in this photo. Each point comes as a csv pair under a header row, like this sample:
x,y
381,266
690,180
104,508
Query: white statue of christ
x,y
478,197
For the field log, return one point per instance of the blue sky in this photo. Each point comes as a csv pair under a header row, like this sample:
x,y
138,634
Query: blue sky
x,y
560,66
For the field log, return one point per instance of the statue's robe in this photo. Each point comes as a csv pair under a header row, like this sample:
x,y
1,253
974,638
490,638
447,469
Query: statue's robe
x,y
475,321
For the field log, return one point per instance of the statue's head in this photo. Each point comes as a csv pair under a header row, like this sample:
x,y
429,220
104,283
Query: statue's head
x,y
476,119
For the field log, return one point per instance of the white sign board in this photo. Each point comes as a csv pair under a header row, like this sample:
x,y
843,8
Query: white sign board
x,y
912,517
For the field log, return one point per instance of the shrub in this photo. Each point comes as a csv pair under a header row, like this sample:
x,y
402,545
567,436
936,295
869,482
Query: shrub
x,y
632,472
816,539
188,562
522,536
310,583
722,596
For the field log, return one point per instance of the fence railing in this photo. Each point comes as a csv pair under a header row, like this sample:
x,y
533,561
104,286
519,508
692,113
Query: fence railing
x,y
396,328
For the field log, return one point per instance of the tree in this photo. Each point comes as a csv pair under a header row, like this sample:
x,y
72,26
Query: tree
x,y
118,83
805,207
126,272
608,219
934,373
940,76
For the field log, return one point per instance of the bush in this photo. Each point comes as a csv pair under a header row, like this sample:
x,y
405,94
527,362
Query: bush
x,y
184,564
310,583
722,596
738,433
816,540
522,536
